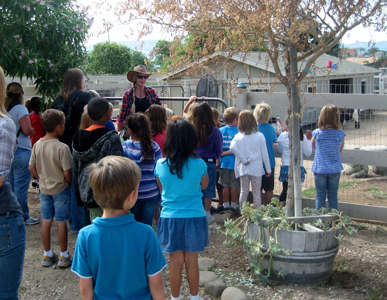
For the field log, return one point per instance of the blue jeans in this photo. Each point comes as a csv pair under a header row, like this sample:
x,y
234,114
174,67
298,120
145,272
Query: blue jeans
x,y
20,178
12,248
144,210
327,183
77,212
57,206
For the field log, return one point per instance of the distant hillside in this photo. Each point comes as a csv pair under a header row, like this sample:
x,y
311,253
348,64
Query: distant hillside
x,y
134,45
365,45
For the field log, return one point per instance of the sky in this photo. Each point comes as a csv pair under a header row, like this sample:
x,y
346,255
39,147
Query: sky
x,y
117,33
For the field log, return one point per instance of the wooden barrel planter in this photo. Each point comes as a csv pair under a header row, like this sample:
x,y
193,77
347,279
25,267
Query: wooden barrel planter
x,y
312,253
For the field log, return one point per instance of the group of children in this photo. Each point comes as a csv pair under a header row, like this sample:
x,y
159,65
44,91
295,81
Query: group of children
x,y
111,178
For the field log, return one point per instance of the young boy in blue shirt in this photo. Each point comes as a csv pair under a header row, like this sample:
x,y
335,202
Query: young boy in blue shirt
x,y
117,257
262,114
227,161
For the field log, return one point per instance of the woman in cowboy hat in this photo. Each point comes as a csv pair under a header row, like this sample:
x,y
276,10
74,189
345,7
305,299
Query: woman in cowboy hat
x,y
142,96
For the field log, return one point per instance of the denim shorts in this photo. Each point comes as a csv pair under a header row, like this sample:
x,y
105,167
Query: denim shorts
x,y
144,210
209,192
57,206
183,234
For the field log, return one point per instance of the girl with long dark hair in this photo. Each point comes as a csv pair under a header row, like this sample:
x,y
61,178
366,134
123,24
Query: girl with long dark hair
x,y
210,148
183,228
145,152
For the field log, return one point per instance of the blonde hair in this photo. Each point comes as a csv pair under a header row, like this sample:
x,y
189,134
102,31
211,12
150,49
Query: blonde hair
x,y
230,114
329,117
262,112
112,179
94,93
169,113
189,116
247,122
3,111
85,121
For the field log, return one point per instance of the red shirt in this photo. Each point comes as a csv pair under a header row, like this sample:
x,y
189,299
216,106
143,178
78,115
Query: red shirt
x,y
37,125
159,138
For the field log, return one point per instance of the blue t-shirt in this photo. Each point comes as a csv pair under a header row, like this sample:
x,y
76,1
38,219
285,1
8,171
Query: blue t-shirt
x,y
16,113
271,137
119,254
182,198
228,133
327,158
110,125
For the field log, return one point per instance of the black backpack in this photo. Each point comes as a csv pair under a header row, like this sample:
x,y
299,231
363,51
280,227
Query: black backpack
x,y
71,123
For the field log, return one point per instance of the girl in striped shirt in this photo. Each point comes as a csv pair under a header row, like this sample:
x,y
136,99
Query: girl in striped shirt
x,y
328,140
145,152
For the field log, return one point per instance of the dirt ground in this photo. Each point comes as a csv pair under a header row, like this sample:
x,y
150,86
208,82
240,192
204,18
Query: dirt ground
x,y
360,270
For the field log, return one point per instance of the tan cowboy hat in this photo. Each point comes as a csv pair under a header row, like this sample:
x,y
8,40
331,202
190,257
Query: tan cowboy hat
x,y
137,70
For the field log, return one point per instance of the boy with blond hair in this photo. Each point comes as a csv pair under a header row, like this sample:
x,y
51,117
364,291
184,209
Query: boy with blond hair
x,y
262,114
227,162
51,162
117,257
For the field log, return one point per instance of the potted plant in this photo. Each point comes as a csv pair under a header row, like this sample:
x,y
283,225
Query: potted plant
x,y
288,249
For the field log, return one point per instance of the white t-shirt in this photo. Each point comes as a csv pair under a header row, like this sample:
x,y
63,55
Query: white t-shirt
x,y
283,147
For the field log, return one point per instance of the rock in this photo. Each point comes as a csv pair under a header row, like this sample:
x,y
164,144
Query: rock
x,y
233,293
205,264
215,288
206,276
220,218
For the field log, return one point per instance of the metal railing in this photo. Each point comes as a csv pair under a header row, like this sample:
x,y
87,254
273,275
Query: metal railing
x,y
182,99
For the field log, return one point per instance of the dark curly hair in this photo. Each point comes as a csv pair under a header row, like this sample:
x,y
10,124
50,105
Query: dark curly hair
x,y
180,142
139,124
203,119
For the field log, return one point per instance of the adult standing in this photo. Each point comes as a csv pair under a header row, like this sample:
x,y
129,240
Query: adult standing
x,y
139,95
72,100
20,176
13,231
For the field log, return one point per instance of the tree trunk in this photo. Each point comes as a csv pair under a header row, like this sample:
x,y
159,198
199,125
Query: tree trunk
x,y
294,135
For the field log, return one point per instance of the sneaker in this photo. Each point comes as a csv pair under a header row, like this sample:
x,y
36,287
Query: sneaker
x,y
234,210
225,210
210,219
31,221
47,261
65,262
213,210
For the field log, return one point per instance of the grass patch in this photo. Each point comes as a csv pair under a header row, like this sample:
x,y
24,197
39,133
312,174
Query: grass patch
x,y
376,191
348,183
382,228
311,192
